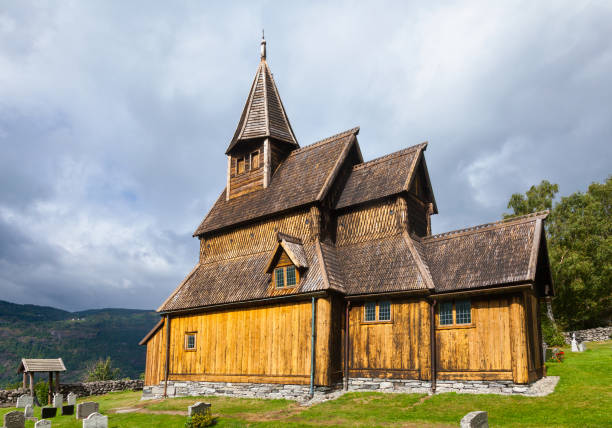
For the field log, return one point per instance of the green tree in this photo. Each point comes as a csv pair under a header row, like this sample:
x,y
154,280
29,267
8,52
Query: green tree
x,y
580,249
102,370
537,198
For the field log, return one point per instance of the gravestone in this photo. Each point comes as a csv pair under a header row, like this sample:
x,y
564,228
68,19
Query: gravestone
x,y
24,400
71,398
85,409
581,347
475,420
198,408
28,412
44,423
48,412
95,420
14,419
58,401
574,343
68,410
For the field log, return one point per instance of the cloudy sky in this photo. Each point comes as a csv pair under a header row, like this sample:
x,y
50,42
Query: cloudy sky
x,y
114,118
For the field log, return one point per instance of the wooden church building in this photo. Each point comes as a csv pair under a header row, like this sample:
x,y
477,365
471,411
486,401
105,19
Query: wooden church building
x,y
317,268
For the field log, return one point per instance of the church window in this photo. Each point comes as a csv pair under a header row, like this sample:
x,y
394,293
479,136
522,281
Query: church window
x,y
290,275
279,277
240,166
455,312
370,311
446,313
384,311
464,311
190,341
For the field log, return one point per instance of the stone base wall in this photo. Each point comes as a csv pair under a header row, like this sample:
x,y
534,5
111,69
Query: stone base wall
x,y
229,389
8,398
424,387
598,334
302,392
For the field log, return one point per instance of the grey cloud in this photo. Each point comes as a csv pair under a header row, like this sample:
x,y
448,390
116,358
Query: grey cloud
x,y
114,118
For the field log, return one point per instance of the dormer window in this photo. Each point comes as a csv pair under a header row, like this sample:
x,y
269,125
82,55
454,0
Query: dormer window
x,y
286,276
287,262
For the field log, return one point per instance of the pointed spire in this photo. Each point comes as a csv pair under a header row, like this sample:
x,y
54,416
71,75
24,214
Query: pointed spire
x,y
264,115
263,46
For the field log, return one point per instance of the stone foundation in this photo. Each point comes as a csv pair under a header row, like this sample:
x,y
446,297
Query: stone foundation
x,y
229,389
542,387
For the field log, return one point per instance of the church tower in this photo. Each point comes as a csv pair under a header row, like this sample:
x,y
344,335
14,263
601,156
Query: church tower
x,y
263,137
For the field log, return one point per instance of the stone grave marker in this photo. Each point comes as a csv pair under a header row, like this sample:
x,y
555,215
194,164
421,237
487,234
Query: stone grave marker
x,y
574,343
58,401
24,400
95,420
68,410
71,398
475,420
198,408
14,419
28,411
48,412
43,423
581,347
85,409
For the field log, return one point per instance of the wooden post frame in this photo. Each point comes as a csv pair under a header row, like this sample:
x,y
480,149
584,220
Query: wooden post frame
x,y
167,368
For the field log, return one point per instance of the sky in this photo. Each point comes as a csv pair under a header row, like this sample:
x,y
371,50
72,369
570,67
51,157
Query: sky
x,y
114,118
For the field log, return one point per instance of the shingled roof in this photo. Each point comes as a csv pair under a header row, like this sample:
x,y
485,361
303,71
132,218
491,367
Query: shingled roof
x,y
33,365
302,178
263,114
381,177
498,253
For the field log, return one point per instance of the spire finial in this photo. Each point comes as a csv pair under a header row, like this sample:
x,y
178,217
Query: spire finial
x,y
263,45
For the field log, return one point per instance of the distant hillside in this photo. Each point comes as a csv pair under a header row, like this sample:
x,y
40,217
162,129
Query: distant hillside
x,y
30,331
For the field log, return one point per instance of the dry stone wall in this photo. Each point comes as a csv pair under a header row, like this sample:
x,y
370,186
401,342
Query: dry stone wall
x,y
598,334
8,398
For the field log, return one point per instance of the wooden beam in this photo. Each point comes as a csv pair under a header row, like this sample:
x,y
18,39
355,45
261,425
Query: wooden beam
x,y
32,384
484,291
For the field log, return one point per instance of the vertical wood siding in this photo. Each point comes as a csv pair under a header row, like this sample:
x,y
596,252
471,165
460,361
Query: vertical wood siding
x,y
156,357
264,344
396,349
493,347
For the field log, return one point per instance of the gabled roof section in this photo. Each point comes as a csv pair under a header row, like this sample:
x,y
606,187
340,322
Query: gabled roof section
x,y
302,178
493,254
293,248
41,365
263,114
381,177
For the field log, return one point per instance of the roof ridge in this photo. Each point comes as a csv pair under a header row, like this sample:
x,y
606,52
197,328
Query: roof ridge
x,y
401,152
484,226
335,137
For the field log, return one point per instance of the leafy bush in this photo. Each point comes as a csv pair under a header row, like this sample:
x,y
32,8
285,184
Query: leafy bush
x,y
13,385
551,335
41,389
102,370
199,420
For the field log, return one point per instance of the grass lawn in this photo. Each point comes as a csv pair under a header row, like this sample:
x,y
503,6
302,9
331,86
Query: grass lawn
x,y
583,398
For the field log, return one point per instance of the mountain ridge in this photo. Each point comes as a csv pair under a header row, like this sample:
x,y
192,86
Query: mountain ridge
x,y
79,338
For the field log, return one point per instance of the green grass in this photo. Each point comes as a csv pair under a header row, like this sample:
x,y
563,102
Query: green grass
x,y
583,398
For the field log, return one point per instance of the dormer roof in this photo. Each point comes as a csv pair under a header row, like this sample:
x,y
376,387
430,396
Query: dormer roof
x,y
263,114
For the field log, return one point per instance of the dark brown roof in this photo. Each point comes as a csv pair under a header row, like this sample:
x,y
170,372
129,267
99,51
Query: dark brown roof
x,y
237,280
304,177
41,365
381,177
491,254
380,266
263,114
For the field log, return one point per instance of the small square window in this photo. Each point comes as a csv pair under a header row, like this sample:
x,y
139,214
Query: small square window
x,y
464,311
279,277
446,313
384,311
370,311
290,275
190,341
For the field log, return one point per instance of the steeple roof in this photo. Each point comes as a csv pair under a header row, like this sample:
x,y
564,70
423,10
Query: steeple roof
x,y
264,114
